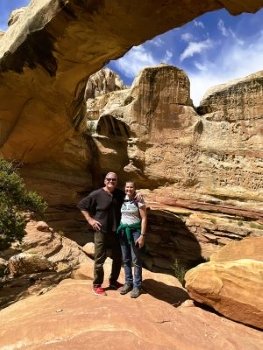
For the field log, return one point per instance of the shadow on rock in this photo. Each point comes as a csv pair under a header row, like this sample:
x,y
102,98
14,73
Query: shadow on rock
x,y
170,294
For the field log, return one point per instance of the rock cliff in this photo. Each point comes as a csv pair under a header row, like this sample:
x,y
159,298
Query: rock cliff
x,y
216,154
66,134
201,170
189,158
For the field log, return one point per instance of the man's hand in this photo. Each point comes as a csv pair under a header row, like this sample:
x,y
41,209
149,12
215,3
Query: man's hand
x,y
138,196
96,225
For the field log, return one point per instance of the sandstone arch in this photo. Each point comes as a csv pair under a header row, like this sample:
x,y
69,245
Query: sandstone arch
x,y
55,44
45,58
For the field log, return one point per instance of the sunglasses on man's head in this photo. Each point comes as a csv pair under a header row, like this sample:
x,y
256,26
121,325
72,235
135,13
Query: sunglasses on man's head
x,y
111,179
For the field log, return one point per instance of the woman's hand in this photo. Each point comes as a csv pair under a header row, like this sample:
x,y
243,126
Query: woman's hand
x,y
140,241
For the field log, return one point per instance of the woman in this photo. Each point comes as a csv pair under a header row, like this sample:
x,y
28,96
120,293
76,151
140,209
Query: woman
x,y
132,234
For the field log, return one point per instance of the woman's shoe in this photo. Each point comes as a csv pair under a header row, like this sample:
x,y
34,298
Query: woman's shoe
x,y
135,292
125,289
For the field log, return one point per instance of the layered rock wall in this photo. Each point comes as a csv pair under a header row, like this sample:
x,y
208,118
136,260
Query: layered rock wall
x,y
150,132
232,138
45,58
216,153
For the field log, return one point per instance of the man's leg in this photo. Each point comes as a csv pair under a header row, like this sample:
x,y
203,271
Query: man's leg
x,y
116,256
99,258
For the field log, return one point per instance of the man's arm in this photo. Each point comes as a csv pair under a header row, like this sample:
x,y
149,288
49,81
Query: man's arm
x,y
139,196
87,206
96,225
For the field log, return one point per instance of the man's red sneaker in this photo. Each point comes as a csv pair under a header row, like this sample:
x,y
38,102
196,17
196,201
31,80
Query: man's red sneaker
x,y
98,290
115,285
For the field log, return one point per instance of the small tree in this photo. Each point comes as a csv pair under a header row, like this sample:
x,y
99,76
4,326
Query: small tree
x,y
14,201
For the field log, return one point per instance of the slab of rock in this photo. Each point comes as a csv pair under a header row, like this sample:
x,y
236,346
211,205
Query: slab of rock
x,y
89,249
42,240
72,317
25,263
248,248
45,258
233,288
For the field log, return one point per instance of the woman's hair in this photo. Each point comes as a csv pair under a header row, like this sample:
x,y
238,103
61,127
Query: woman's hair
x,y
130,182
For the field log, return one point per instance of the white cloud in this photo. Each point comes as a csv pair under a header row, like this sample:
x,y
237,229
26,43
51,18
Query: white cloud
x,y
196,47
157,42
212,62
168,56
233,62
222,28
200,66
186,37
135,60
228,32
239,41
199,24
138,58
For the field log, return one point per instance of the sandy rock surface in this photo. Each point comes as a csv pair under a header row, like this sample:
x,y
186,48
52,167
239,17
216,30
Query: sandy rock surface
x,y
71,317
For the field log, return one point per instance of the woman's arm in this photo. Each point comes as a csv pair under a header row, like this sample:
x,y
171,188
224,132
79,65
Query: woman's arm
x,y
143,213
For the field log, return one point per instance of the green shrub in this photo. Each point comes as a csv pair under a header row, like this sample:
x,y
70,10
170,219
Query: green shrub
x,y
180,270
14,201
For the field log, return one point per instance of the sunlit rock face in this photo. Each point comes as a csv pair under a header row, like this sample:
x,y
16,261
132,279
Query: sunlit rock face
x,y
67,134
232,133
154,128
15,15
70,317
102,82
145,129
153,134
231,282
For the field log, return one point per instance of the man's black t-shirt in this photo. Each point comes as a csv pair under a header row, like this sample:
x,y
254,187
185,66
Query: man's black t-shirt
x,y
104,207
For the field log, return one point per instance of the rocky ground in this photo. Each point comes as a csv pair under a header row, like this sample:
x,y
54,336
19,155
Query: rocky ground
x,y
71,317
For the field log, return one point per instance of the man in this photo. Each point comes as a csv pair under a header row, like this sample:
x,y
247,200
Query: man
x,y
102,210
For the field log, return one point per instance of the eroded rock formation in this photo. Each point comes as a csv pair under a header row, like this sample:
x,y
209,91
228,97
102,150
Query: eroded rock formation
x,y
218,154
39,263
232,282
207,159
152,133
44,57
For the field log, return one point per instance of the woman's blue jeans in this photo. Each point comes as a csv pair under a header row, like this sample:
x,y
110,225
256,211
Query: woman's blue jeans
x,y
131,255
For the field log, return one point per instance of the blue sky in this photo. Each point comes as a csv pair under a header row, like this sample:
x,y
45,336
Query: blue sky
x,y
212,49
